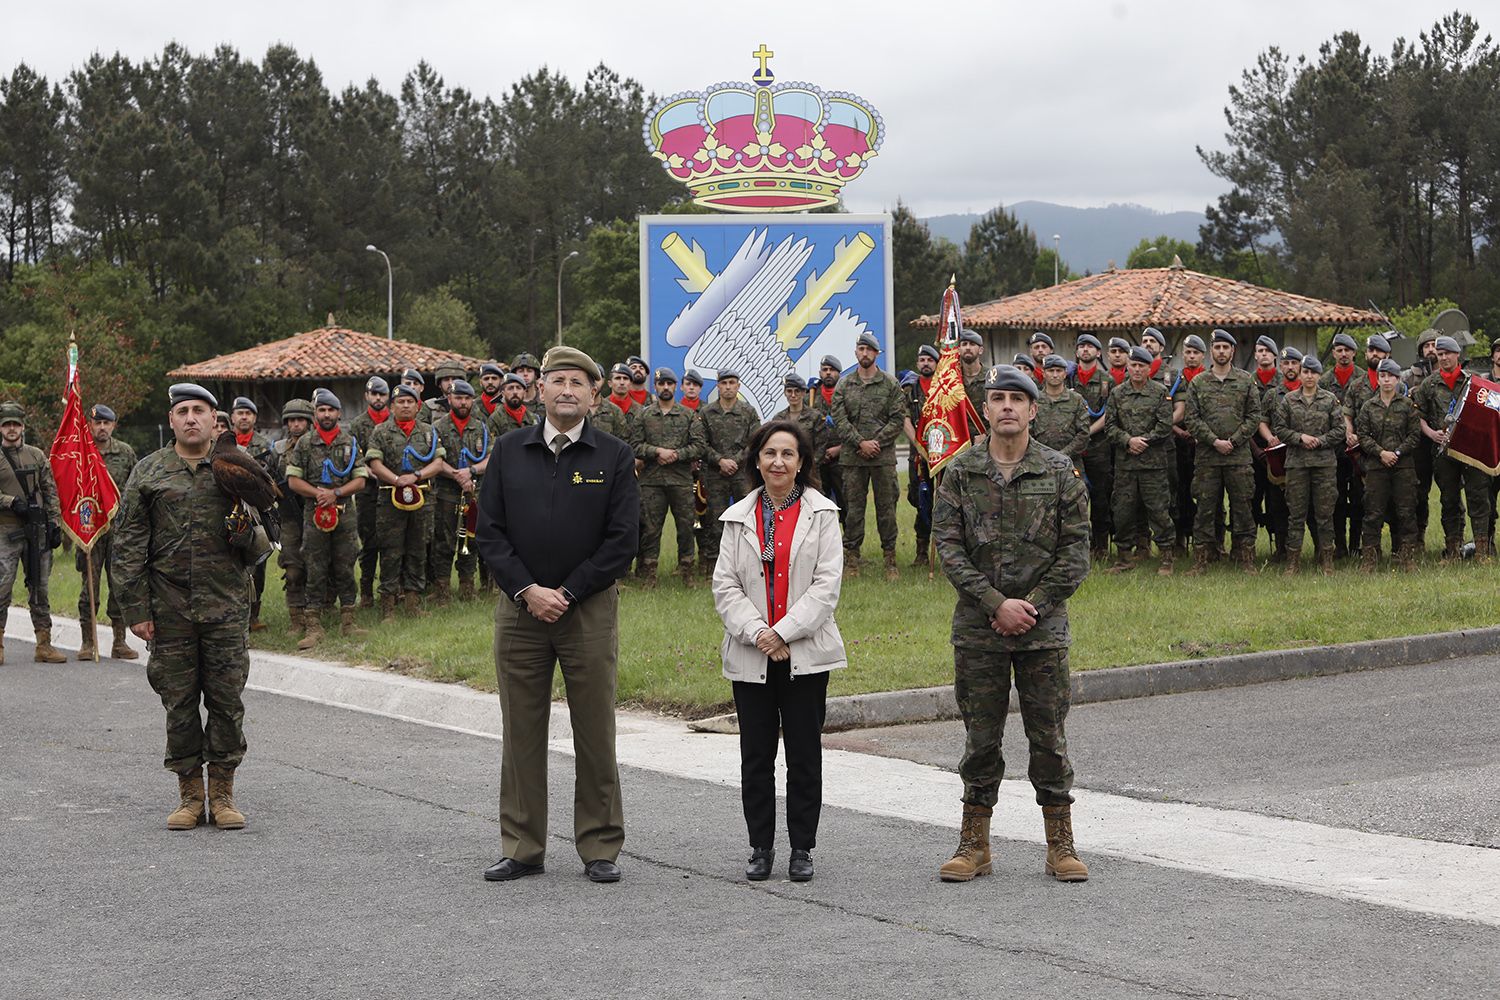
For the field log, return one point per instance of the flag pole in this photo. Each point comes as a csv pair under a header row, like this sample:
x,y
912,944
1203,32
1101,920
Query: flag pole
x,y
88,558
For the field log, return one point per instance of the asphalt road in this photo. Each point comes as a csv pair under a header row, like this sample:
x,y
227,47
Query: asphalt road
x,y
359,876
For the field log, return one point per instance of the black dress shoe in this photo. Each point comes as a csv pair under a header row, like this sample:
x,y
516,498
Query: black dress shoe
x,y
508,868
799,868
602,871
759,868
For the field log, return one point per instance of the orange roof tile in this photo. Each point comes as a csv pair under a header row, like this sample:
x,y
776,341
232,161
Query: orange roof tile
x,y
1163,297
331,352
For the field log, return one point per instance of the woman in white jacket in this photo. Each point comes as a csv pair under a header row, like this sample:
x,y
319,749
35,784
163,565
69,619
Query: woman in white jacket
x,y
776,585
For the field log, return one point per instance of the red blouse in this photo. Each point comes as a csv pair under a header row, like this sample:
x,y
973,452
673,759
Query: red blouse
x,y
780,567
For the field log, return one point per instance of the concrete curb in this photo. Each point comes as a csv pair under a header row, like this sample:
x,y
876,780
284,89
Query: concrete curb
x,y
888,708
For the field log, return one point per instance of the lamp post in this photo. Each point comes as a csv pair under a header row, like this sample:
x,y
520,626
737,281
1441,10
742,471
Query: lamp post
x,y
1056,244
390,293
559,293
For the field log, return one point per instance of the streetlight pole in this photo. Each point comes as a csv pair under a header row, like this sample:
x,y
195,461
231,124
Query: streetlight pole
x,y
390,293
1056,245
559,293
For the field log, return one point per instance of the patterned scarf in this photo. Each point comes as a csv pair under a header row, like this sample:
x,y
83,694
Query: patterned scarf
x,y
768,513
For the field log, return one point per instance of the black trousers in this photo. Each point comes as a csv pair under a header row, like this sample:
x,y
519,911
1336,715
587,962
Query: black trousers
x,y
796,707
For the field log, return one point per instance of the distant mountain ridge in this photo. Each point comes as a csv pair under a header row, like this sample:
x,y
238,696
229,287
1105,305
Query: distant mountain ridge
x,y
1091,237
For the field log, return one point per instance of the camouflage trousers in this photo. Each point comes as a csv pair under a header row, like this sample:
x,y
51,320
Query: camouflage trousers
x,y
403,536
1459,484
1099,474
1211,485
1185,506
12,561
1142,494
1423,457
1316,487
369,548
191,664
443,553
981,682
856,482
1349,508
1390,495
330,557
917,478
831,486
656,501
293,564
99,556
720,493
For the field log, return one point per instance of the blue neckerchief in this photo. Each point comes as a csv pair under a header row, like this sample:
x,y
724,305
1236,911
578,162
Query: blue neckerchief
x,y
465,457
329,471
408,453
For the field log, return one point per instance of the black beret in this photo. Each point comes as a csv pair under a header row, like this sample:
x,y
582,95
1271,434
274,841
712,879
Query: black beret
x,y
1447,344
829,361
1154,334
1055,361
1265,341
490,368
245,403
928,351
728,373
1040,338
406,390
866,339
1344,340
511,378
1225,337
668,375
1310,363
1378,342
691,375
412,375
181,392
377,384
1389,366
325,397
101,412
1119,343
1008,377
1195,342
1291,354
1091,340
970,337
1142,354
793,381
460,387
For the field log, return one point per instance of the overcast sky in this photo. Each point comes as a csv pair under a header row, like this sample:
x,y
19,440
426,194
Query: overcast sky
x,y
1079,103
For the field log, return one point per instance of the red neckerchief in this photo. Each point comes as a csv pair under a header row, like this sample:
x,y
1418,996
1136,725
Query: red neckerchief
x,y
1450,380
642,396
623,402
243,440
1036,376
488,404
691,404
1374,377
379,416
462,425
1155,367
1343,373
1188,374
1292,386
1084,376
407,426
1118,374
518,414
328,436
925,381
1266,375
827,391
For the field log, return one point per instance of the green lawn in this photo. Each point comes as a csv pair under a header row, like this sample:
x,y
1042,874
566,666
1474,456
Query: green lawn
x,y
897,634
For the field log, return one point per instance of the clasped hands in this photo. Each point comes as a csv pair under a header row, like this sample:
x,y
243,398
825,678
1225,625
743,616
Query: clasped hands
x,y
768,642
546,604
1013,617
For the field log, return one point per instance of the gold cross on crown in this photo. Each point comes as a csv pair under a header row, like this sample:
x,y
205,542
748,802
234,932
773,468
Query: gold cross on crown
x,y
764,55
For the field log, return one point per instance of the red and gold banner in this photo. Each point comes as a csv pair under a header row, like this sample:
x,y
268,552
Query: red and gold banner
x,y
1474,437
85,492
948,418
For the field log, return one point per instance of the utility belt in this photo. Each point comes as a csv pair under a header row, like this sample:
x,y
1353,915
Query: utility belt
x,y
408,498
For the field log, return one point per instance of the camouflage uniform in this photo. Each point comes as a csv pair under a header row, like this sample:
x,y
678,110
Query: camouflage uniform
x,y
462,451
1268,505
502,421
12,537
1311,473
119,459
1390,493
362,428
1026,538
828,472
177,568
1062,424
1099,458
919,484
293,563
259,449
1426,451
726,434
612,420
329,556
1140,480
974,388
863,411
1223,409
1349,506
1457,481
403,535
666,487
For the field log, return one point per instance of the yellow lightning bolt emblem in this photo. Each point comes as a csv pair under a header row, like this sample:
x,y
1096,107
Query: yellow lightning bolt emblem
x,y
847,256
692,262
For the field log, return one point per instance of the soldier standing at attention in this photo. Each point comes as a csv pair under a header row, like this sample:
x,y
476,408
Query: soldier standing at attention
x,y
26,481
828,445
183,574
119,459
242,418
667,438
797,410
327,468
528,367
490,377
466,441
618,411
296,417
1119,358
728,422
1311,423
1267,382
1013,580
1437,398
918,478
1062,417
446,374
404,454
1222,412
1139,425
692,390
1388,428
1184,507
1348,508
640,374
377,411
1040,345
1425,365
512,413
1155,341
1093,384
970,347
868,414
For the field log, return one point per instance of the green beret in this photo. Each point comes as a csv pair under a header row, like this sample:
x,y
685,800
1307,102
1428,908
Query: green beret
x,y
562,357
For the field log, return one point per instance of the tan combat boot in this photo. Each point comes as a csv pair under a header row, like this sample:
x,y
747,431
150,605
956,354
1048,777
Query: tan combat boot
x,y
1293,564
1165,569
296,622
314,633
440,593
367,594
1325,560
221,798
972,858
45,651
256,625
1407,558
851,565
1246,556
1062,860
1482,549
1369,558
1124,561
387,608
411,604
1451,549
645,573
685,571
891,572
121,650
189,812
346,623
1200,561
466,590
86,646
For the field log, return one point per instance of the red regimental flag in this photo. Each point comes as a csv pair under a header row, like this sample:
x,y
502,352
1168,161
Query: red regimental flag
x,y
1474,437
85,492
948,418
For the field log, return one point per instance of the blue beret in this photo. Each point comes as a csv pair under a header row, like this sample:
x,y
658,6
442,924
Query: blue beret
x,y
1090,339
490,368
829,361
1142,354
460,387
1154,334
1266,342
866,339
928,351
1009,377
1310,363
1055,361
245,403
691,375
620,368
1225,337
412,375
728,373
1344,340
377,384
1389,366
101,412
1040,338
324,397
1447,344
1119,343
970,337
1023,360
1291,354
181,392
1378,342
511,378
406,390
634,359
793,381
1195,342
668,375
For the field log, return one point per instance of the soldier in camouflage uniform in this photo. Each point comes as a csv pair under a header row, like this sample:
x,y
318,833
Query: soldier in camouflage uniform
x,y
1348,508
830,369
183,574
1389,427
466,441
1222,411
528,367
1155,341
1093,383
326,467
798,412
512,413
491,376
1311,423
868,415
1119,356
377,411
119,459
26,478
1437,399
1011,522
242,417
403,451
446,374
667,438
727,422
616,415
1184,507
1062,417
919,485
296,417
1361,389
970,348
1139,425
1425,365
1265,503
